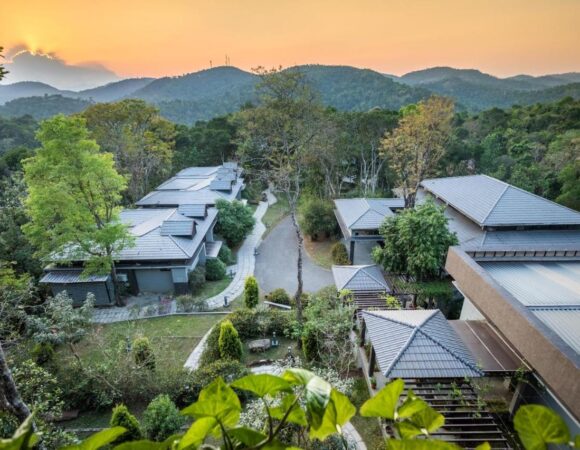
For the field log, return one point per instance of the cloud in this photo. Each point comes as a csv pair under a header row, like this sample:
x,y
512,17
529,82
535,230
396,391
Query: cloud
x,y
24,64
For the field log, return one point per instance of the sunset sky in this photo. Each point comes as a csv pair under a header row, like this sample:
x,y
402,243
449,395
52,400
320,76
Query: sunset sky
x,y
171,37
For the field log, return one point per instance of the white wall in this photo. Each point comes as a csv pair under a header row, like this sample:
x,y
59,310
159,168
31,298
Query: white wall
x,y
469,311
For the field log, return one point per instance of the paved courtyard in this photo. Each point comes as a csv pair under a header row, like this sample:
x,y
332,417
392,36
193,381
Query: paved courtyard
x,y
276,263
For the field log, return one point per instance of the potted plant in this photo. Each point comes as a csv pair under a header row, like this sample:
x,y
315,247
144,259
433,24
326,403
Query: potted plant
x,y
373,382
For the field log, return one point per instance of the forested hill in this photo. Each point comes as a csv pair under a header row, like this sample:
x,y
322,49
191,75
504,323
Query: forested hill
x,y
213,92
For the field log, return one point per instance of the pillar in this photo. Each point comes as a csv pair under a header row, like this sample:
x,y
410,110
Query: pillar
x,y
352,251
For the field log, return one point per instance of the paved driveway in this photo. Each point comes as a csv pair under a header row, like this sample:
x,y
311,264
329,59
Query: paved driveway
x,y
276,263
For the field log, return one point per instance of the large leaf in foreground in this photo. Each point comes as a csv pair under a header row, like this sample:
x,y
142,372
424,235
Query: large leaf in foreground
x,y
538,426
384,404
338,412
262,384
219,401
100,439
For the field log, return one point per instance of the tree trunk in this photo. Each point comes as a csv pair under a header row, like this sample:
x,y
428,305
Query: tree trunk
x,y
10,392
298,295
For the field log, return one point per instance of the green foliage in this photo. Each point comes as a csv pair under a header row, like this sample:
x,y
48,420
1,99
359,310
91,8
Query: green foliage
x,y
162,419
570,191
230,345
310,347
73,200
215,269
340,254
251,292
196,278
143,353
16,294
187,303
317,218
538,426
279,296
43,107
392,302
235,221
42,352
225,255
122,417
416,242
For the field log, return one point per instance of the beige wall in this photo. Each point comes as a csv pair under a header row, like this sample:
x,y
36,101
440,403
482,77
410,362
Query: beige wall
x,y
518,327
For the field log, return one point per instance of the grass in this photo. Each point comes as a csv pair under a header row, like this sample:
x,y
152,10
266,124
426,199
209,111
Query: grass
x,y
320,251
368,427
272,353
275,213
211,288
172,338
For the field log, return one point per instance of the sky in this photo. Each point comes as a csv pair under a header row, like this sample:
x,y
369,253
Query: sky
x,y
173,37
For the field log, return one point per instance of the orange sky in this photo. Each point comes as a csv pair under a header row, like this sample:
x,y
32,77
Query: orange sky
x,y
169,37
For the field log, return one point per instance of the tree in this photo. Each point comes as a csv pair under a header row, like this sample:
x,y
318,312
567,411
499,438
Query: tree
x,y
416,242
215,269
229,342
415,147
3,71
317,218
162,418
251,292
570,191
235,221
276,141
122,417
74,195
340,254
140,140
143,353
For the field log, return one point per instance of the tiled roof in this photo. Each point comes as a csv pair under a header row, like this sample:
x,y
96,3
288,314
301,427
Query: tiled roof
x,y
491,202
418,344
359,278
71,276
532,239
564,321
366,214
198,210
198,171
221,185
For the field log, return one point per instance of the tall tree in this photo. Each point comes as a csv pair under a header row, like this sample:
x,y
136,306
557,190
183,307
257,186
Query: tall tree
x,y
74,196
415,147
277,138
140,139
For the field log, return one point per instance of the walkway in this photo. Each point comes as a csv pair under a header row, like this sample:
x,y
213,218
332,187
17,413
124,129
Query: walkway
x,y
246,261
276,263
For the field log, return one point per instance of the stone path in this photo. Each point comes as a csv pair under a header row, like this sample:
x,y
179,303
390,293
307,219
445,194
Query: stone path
x,y
246,261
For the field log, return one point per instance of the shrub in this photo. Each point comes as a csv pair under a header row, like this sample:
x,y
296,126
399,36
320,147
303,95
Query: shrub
x,y
42,352
225,255
162,418
196,278
235,221
340,254
123,418
228,369
187,303
310,345
215,270
317,218
251,292
279,296
143,353
229,342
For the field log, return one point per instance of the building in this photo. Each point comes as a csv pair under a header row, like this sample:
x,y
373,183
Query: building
x,y
366,283
173,232
518,266
360,218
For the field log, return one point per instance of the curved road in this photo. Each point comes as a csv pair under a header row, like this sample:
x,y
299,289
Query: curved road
x,y
276,263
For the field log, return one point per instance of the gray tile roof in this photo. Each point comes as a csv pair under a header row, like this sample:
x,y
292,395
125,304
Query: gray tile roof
x,y
359,278
212,249
196,210
178,183
220,185
493,203
71,276
532,239
550,291
366,214
176,198
198,171
178,227
418,344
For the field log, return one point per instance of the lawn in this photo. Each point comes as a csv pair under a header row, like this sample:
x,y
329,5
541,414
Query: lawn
x,y
320,251
211,288
368,427
275,213
273,353
172,338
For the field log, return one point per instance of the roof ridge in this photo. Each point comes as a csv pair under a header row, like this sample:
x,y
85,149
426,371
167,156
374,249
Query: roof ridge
x,y
498,199
383,283
351,277
402,350
178,245
543,198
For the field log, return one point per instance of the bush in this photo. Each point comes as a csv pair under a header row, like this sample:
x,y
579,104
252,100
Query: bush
x,y
229,342
235,221
196,278
228,369
310,345
123,418
42,352
214,270
225,255
162,418
187,303
340,254
317,218
251,292
279,296
143,353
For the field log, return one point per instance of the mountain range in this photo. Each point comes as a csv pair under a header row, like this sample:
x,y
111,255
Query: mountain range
x,y
221,90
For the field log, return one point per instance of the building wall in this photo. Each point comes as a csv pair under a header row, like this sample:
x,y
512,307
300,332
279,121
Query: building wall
x,y
78,292
154,280
470,312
